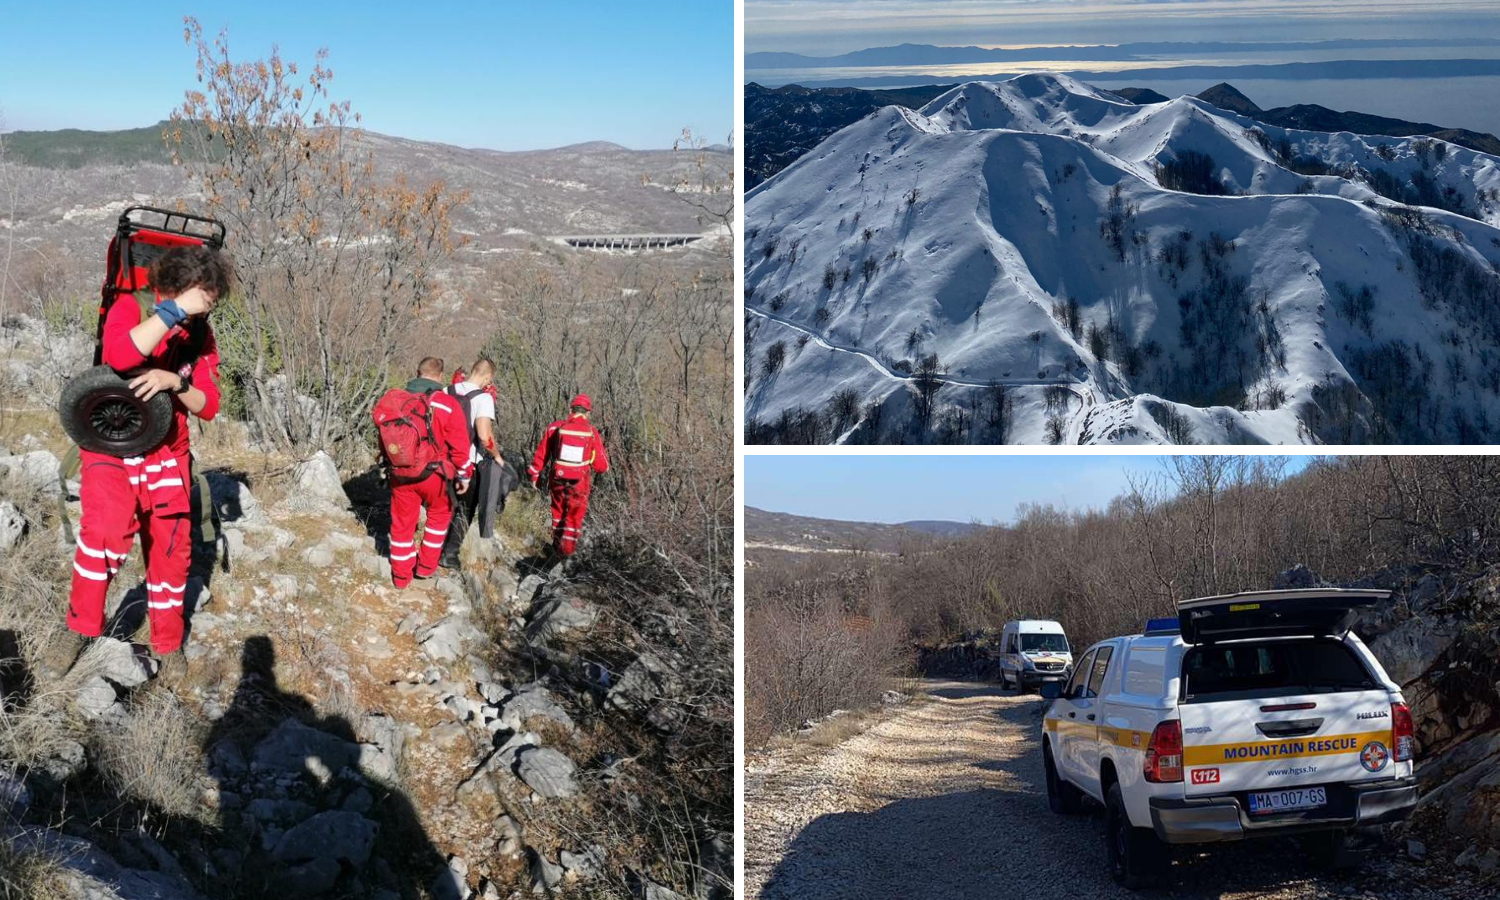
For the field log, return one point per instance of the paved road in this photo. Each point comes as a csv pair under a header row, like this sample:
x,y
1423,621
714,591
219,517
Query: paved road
x,y
945,800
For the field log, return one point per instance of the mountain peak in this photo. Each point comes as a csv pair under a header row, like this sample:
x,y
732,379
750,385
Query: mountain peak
x,y
1225,96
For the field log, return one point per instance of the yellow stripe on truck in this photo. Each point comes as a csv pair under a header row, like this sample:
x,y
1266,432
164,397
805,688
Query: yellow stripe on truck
x,y
1292,748
1120,737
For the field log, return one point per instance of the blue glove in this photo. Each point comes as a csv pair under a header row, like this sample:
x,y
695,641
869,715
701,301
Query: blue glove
x,y
170,313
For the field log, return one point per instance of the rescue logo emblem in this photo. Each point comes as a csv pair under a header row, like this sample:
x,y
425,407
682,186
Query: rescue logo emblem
x,y
1205,776
1373,756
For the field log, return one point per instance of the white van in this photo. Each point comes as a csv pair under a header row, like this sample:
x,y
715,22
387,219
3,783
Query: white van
x,y
1033,652
1249,714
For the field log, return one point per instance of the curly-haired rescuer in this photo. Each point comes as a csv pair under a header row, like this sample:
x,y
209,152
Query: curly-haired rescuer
x,y
169,348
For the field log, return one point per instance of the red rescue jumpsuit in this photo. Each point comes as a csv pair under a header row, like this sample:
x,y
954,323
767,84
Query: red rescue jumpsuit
x,y
575,452
407,500
146,494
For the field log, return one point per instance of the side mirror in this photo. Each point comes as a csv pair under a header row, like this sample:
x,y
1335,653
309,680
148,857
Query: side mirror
x,y
1051,690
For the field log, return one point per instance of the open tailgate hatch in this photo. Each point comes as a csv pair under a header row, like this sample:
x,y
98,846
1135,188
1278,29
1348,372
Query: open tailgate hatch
x,y
1314,612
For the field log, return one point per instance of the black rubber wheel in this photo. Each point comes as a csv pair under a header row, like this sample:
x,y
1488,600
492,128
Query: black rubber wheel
x,y
1334,851
1062,798
100,413
1137,858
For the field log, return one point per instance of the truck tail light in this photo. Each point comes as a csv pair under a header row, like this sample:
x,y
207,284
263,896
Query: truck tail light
x,y
1164,753
1403,734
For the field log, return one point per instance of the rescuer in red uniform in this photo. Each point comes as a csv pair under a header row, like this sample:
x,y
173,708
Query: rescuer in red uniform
x,y
570,454
171,349
450,430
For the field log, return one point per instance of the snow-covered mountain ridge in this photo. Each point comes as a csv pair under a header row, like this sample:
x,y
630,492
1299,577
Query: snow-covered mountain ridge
x,y
1087,270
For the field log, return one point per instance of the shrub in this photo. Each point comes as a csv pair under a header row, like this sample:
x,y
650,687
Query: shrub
x,y
775,357
155,756
1055,428
1118,224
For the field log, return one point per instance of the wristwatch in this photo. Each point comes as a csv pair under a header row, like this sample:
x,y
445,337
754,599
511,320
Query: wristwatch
x,y
184,382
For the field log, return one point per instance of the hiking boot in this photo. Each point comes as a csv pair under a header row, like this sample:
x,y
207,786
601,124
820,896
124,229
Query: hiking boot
x,y
61,655
171,668
450,562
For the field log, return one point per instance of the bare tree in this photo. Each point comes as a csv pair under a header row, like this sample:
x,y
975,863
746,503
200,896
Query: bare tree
x,y
926,380
334,263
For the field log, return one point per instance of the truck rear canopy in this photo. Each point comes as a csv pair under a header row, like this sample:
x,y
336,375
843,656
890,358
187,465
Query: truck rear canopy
x,y
1321,612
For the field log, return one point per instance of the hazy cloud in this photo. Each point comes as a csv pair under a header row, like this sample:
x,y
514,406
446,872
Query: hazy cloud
x,y
837,26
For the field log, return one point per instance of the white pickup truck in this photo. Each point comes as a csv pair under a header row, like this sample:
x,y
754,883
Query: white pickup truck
x,y
1249,714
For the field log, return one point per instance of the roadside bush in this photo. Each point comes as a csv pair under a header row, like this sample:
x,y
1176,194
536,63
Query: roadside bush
x,y
813,644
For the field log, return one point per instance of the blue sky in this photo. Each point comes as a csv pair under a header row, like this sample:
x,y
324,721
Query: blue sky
x,y
956,488
830,27
508,76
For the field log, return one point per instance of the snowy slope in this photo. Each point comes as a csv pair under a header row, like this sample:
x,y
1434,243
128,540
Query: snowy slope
x,y
966,229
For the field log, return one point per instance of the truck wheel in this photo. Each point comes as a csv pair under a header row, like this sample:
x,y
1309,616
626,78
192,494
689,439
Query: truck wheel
x,y
1062,798
101,413
1137,859
1331,850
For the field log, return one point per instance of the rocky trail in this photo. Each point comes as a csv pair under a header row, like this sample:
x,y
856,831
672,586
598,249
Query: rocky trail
x,y
486,733
945,799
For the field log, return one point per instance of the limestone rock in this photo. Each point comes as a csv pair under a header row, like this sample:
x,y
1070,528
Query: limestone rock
x,y
95,697
116,661
234,502
313,878
529,587
446,639
1410,648
336,834
12,526
26,473
545,875
533,700
452,882
380,755
1298,576
316,485
68,760
585,864
295,748
318,556
547,771
646,680
508,836
560,615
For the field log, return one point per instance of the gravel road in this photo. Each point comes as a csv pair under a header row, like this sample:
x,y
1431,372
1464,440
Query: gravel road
x,y
946,799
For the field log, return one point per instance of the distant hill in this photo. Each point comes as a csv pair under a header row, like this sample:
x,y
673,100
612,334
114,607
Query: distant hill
x,y
783,123
73,148
1311,117
805,534
1141,96
1225,96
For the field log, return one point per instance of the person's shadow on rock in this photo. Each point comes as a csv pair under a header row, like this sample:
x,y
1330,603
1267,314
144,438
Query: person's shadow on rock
x,y
305,809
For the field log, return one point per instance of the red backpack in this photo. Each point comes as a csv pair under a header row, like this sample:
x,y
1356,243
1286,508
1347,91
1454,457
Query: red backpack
x,y
403,422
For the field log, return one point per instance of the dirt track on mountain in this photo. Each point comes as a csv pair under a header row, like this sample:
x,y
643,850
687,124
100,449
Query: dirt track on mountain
x,y
945,799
